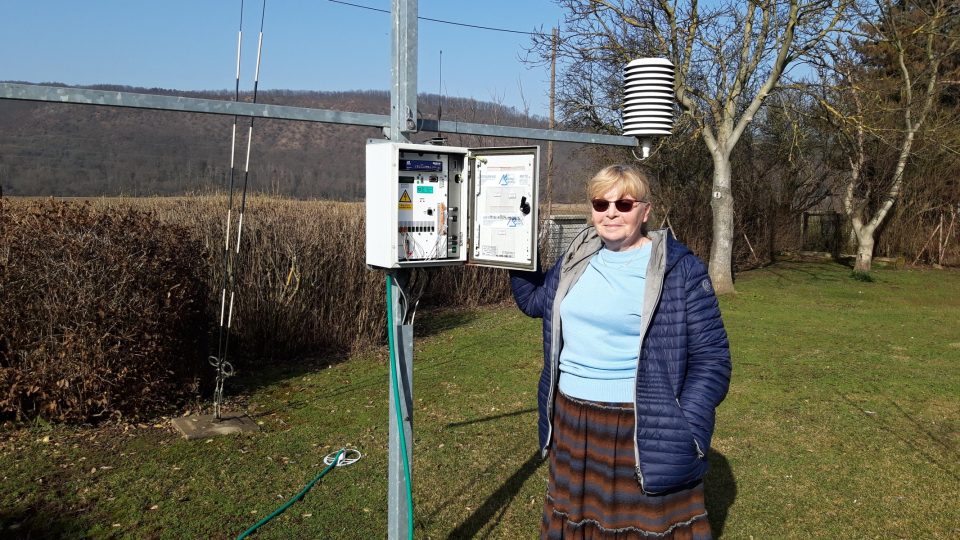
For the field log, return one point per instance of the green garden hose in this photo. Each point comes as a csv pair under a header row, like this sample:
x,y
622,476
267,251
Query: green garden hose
x,y
403,439
295,498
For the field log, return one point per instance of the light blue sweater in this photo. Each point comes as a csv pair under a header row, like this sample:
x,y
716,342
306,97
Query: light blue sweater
x,y
601,327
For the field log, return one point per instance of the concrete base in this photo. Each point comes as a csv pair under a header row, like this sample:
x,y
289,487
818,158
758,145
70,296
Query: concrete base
x,y
204,426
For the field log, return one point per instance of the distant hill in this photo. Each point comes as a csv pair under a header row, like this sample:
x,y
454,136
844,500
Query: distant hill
x,y
74,150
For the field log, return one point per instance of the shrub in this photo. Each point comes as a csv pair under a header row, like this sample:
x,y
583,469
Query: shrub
x,y
105,306
301,282
101,312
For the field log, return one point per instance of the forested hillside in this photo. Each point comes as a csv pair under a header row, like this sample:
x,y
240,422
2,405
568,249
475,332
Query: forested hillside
x,y
71,150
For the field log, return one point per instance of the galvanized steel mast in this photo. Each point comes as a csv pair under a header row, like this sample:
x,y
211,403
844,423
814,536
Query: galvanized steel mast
x,y
403,116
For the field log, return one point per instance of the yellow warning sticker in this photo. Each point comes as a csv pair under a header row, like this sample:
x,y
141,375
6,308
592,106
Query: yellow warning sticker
x,y
405,202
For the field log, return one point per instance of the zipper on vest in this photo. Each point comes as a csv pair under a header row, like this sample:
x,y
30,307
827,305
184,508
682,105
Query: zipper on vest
x,y
700,453
554,353
553,378
554,365
636,417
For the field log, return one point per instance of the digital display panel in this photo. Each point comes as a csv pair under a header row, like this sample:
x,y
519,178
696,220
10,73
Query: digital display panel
x,y
421,165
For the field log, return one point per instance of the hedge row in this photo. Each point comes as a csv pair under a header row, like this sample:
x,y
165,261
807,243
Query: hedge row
x,y
97,311
109,308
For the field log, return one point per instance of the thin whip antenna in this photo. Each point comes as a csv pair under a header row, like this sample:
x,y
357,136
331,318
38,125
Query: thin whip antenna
x,y
256,84
223,367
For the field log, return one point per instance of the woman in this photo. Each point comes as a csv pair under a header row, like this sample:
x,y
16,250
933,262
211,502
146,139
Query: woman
x,y
636,361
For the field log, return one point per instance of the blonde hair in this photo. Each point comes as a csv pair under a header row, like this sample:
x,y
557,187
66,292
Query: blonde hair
x,y
626,179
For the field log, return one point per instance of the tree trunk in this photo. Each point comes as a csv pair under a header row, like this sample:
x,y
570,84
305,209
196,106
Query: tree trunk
x,y
864,255
721,248
863,232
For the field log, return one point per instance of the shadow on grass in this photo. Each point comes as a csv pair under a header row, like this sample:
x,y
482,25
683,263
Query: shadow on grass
x,y
490,418
910,439
720,487
492,510
437,321
820,271
42,523
427,324
252,377
721,490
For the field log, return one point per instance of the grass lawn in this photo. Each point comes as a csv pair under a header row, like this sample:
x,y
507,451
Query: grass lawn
x,y
842,421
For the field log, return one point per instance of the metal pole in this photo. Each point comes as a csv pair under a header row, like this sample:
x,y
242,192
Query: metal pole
x,y
552,125
403,116
403,92
398,507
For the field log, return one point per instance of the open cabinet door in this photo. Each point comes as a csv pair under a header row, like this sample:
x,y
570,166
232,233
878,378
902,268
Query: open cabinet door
x,y
504,207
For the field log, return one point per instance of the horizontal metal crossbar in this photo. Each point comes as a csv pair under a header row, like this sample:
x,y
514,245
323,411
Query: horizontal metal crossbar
x,y
113,98
448,126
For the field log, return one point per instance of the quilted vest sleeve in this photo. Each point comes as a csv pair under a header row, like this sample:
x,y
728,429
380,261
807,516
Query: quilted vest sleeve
x,y
708,354
532,291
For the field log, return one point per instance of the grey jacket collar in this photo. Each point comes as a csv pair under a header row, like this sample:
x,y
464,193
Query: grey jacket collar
x,y
589,242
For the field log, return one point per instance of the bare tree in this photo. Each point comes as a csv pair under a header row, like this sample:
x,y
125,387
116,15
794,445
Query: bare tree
x,y
879,88
729,56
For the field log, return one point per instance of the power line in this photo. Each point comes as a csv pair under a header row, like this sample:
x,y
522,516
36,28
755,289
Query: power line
x,y
441,20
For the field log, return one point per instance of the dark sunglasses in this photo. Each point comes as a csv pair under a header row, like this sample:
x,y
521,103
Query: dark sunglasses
x,y
623,205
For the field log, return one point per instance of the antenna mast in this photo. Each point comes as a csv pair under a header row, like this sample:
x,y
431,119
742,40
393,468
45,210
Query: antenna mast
x,y
440,97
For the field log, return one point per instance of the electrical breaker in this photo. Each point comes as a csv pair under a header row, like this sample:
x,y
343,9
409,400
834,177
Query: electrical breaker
x,y
430,205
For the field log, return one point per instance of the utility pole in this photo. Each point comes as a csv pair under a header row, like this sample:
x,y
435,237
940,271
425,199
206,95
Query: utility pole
x,y
403,116
553,98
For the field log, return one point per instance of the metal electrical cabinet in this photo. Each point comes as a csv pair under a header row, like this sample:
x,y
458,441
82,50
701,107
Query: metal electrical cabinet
x,y
429,205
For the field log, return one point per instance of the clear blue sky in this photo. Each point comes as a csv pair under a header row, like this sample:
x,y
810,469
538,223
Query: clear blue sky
x,y
308,45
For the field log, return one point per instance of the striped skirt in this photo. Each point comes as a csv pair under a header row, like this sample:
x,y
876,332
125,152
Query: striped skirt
x,y
593,492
